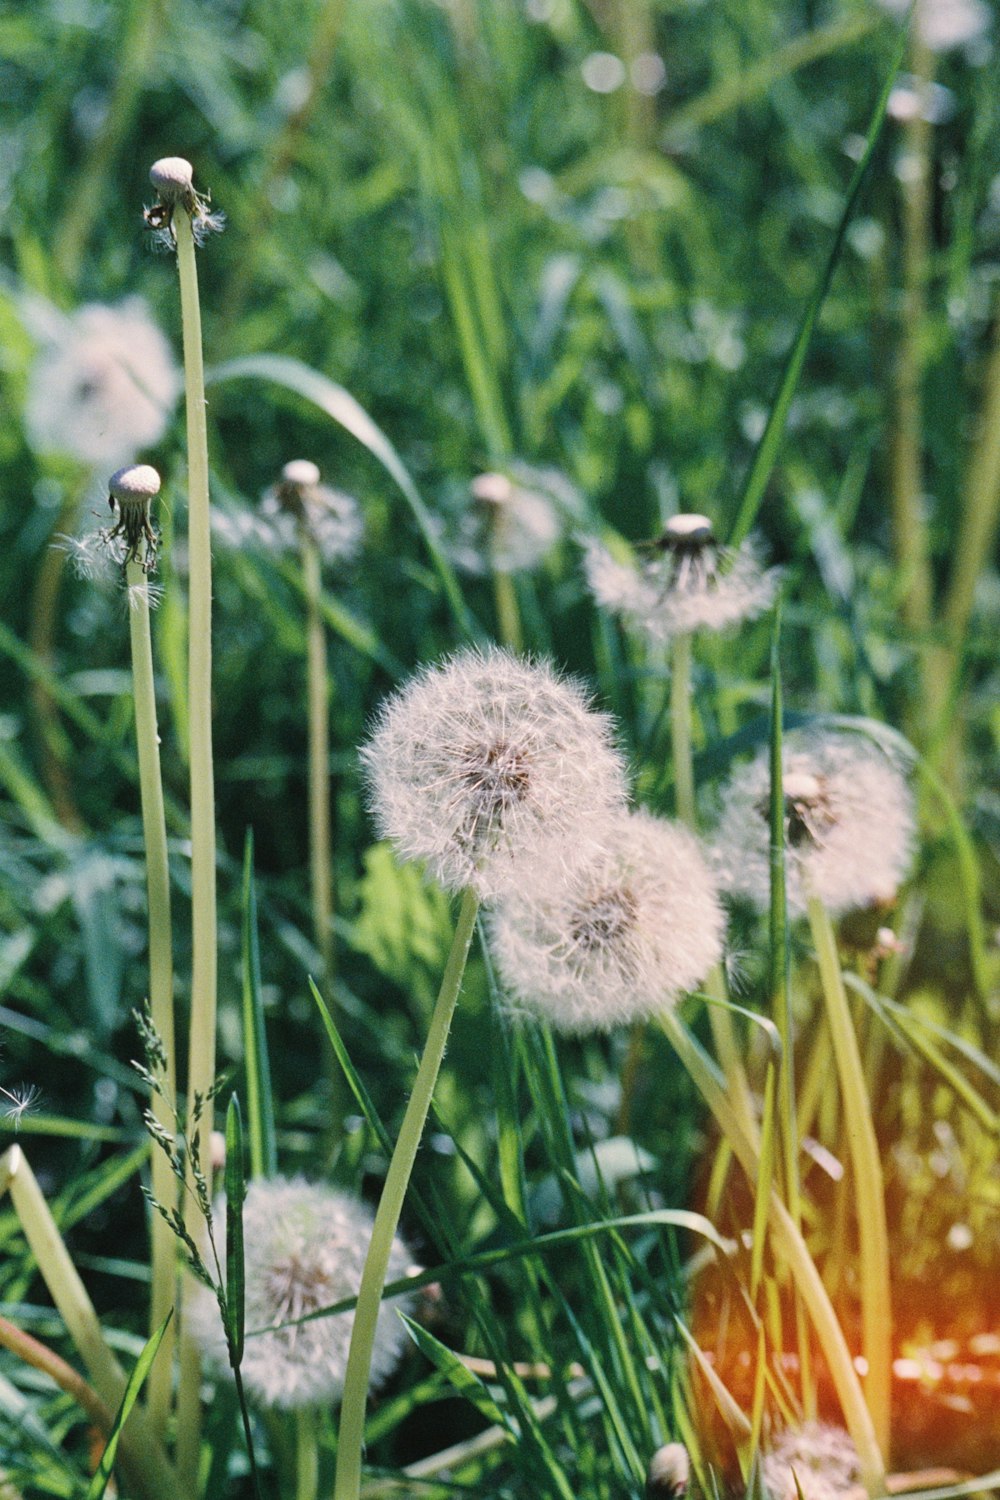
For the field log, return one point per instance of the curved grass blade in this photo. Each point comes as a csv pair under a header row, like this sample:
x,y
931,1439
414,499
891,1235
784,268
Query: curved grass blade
x,y
457,1374
260,1103
236,1191
102,1473
342,407
770,443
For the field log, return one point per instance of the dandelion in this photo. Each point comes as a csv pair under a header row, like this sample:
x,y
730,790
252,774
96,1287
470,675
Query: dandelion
x,y
512,521
944,24
173,179
131,492
305,1247
20,1101
816,1461
669,1473
103,386
617,939
688,583
478,759
849,826
299,506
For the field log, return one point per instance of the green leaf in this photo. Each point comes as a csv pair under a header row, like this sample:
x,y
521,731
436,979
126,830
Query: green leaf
x,y
102,1474
458,1374
236,1191
260,1103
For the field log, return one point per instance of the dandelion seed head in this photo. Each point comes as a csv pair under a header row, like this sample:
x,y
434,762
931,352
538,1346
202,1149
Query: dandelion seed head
x,y
131,492
945,24
616,939
817,1459
849,825
300,504
136,484
688,582
479,758
172,177
304,1249
669,1473
301,472
105,388
513,520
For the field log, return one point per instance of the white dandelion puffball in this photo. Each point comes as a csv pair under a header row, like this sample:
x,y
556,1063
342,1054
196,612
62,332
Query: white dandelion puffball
x,y
849,822
688,582
478,759
506,527
822,1459
299,503
104,388
304,1249
945,24
617,939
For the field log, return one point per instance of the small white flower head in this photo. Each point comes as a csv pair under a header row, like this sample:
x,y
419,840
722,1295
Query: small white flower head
x,y
131,492
511,520
173,179
819,1460
617,939
304,1247
478,759
686,582
945,24
299,504
669,1473
103,386
849,825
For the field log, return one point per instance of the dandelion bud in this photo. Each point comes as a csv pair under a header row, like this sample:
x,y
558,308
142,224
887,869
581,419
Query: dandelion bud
x,y
687,582
480,759
305,1247
130,492
815,1461
669,1473
849,826
617,939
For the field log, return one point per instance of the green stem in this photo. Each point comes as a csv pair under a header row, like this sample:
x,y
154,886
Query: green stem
x,y
869,1188
680,730
306,1454
347,1485
204,960
508,613
161,982
792,1247
320,857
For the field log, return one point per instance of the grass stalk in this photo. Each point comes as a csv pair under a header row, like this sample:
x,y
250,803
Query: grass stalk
x,y
792,1248
869,1188
306,1454
204,941
347,1485
318,694
161,982
508,613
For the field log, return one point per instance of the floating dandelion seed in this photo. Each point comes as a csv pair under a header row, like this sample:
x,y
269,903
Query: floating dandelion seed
x,y
173,179
849,826
131,492
103,386
21,1101
616,939
305,1247
479,758
816,1461
688,583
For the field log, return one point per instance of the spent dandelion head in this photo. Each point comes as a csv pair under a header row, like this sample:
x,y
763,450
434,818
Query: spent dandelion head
x,y
479,758
305,1247
103,385
173,179
684,582
669,1473
133,538
849,825
815,1461
613,940
299,505
505,526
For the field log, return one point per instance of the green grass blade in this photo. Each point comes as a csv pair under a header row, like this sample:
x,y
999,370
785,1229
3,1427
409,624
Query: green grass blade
x,y
236,1191
260,1102
99,1483
770,443
459,1375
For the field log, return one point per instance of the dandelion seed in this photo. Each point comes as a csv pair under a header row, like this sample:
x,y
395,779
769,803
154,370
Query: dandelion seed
x,y
305,1247
478,759
614,940
131,492
816,1460
669,1473
849,826
689,583
513,520
21,1101
299,504
103,387
945,24
173,179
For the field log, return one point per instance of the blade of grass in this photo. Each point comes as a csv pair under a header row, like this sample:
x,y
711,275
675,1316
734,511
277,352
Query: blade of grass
x,y
260,1102
102,1474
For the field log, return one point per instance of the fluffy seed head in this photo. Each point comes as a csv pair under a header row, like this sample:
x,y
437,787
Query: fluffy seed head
x,y
849,825
822,1459
616,939
478,759
103,387
687,583
669,1473
172,177
513,520
305,1248
299,504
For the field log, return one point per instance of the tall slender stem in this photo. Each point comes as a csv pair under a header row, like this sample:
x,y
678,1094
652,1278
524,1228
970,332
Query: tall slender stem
x,y
161,981
204,961
347,1485
792,1247
869,1188
320,858
306,1454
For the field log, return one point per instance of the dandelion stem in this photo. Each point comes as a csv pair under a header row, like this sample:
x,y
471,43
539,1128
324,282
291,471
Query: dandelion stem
x,y
869,1190
508,613
306,1454
347,1485
320,858
204,961
793,1248
161,981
